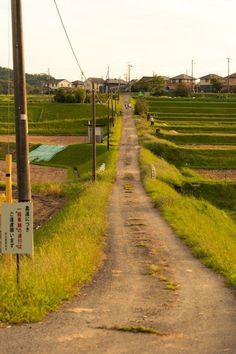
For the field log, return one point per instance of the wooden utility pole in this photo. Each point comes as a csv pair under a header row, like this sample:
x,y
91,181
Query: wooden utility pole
x,y
21,119
112,108
108,109
94,132
108,120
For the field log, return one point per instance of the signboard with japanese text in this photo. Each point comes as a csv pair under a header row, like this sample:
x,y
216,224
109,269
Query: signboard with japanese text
x,y
17,228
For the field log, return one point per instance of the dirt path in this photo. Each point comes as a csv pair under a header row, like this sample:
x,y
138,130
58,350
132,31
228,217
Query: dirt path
x,y
50,140
198,317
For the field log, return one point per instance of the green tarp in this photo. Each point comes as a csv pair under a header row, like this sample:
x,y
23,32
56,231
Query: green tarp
x,y
45,152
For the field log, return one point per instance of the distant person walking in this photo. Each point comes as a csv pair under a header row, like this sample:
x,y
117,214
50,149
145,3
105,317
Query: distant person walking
x,y
148,116
152,121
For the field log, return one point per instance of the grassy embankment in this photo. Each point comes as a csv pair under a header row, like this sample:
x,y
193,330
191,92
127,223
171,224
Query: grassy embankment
x,y
68,248
51,118
199,210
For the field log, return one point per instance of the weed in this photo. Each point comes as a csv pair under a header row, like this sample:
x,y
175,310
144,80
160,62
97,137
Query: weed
x,y
137,329
163,278
171,286
154,269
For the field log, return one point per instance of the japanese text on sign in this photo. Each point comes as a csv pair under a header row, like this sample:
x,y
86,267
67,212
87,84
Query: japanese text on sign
x,y
17,228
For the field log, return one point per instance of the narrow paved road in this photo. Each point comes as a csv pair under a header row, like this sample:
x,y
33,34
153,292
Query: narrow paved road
x,y
197,315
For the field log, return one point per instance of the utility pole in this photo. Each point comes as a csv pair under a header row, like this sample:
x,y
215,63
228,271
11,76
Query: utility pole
x,y
94,132
21,119
192,74
228,60
108,109
129,71
108,120
22,147
112,108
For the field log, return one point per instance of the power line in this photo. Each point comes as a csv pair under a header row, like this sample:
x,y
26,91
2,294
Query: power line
x,y
69,41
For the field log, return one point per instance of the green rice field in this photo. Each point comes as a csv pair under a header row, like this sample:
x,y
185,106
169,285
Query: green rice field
x,y
50,118
196,136
195,122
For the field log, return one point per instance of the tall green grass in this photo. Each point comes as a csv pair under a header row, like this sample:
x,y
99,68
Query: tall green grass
x,y
209,232
68,249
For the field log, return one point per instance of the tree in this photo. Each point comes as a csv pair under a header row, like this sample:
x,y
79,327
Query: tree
x,y
216,83
156,85
60,96
182,90
80,95
141,106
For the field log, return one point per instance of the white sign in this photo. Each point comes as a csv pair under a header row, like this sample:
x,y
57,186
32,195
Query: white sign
x,y
17,228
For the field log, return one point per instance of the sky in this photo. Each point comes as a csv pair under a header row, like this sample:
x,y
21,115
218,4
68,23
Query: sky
x,y
154,36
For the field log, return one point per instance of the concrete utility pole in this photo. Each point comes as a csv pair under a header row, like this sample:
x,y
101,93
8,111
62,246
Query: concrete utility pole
x,y
228,60
192,74
22,147
94,132
129,75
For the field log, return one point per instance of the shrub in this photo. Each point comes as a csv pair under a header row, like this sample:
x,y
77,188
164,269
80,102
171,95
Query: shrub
x,y
141,106
182,90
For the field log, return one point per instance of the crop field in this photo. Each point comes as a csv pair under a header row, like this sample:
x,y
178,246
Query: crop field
x,y
195,122
192,136
50,118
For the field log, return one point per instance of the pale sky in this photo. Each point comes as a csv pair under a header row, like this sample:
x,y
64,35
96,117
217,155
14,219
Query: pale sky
x,y
155,36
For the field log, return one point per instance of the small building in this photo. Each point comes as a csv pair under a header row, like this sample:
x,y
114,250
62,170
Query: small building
x,y
98,132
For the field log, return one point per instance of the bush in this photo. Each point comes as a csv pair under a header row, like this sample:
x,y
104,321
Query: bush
x,y
182,90
80,95
72,96
141,106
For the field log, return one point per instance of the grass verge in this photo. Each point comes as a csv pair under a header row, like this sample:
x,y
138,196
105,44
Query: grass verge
x,y
209,232
68,249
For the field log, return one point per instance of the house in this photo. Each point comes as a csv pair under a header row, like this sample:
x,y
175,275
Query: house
x,y
146,81
229,81
59,83
114,84
54,84
205,83
181,79
77,84
98,84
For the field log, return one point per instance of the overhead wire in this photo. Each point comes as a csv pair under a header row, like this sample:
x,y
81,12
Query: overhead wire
x,y
69,41
73,51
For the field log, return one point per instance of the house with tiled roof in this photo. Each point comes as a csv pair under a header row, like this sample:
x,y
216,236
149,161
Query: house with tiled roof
x,y
205,83
181,79
114,84
77,84
59,83
98,84
231,82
